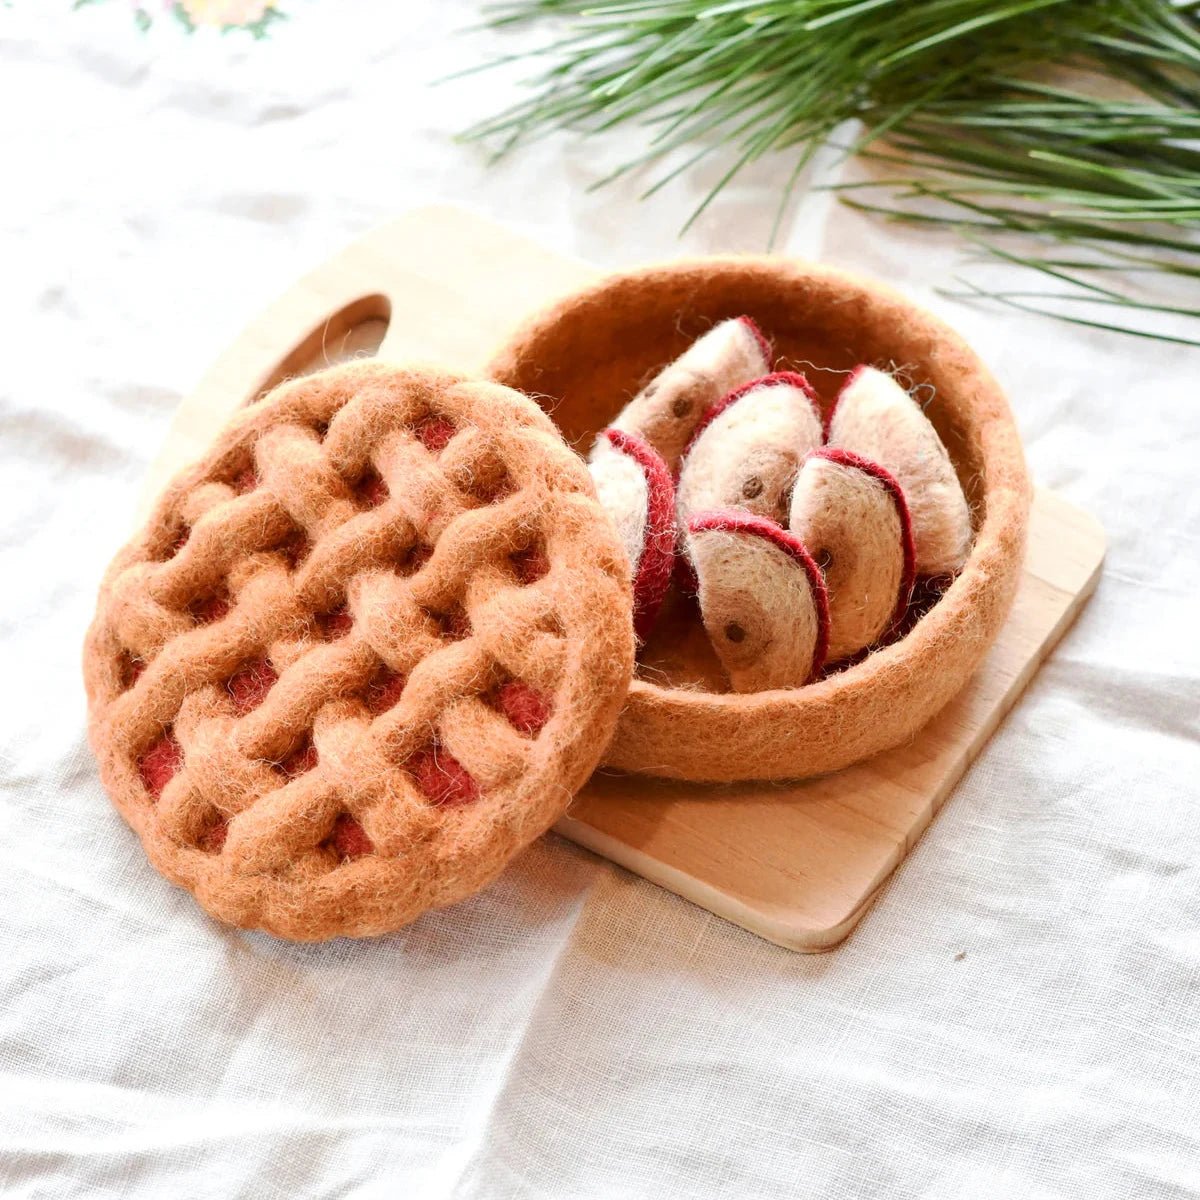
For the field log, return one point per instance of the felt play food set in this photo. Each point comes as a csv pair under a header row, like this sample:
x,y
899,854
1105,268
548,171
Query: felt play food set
x,y
779,605
379,636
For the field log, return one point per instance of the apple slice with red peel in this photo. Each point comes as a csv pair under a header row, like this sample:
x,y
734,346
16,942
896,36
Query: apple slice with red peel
x,y
668,408
875,418
852,516
636,489
762,600
747,448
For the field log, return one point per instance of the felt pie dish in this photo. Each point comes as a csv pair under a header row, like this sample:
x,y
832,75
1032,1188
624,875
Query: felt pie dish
x,y
588,354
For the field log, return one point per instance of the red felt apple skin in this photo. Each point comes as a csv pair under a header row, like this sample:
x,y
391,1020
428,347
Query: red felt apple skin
x,y
636,488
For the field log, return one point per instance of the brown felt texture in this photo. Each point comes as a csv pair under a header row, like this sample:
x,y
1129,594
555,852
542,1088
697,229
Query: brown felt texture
x,y
591,351
746,455
851,524
877,419
422,646
761,599
668,408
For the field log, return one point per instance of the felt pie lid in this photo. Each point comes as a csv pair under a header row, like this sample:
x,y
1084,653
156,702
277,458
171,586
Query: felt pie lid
x,y
362,652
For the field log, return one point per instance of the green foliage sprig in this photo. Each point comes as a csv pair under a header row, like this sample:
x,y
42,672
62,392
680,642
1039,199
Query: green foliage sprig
x,y
1075,123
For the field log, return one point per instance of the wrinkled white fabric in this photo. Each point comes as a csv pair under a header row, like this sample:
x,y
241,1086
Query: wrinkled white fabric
x,y
1016,1017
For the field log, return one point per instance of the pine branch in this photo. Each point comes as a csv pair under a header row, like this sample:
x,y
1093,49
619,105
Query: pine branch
x,y
963,111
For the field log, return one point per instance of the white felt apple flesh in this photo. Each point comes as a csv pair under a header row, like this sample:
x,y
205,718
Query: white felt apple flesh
x,y
747,448
852,517
875,418
668,408
762,600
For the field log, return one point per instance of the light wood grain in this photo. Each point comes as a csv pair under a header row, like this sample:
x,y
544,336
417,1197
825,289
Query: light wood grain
x,y
797,864
437,285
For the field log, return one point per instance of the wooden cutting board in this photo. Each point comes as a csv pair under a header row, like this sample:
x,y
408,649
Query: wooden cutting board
x,y
795,863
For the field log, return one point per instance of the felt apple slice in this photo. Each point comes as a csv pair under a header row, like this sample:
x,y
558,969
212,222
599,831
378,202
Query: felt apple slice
x,y
852,516
762,600
666,410
636,489
748,446
874,417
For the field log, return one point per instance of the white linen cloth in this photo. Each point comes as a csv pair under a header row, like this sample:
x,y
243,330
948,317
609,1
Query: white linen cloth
x,y
1018,1015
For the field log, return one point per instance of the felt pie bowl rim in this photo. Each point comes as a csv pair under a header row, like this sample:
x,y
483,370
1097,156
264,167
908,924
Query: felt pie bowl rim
x,y
880,703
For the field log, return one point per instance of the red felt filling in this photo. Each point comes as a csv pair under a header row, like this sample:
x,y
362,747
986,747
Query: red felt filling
x,y
300,760
443,779
295,548
435,433
736,521
131,668
210,608
335,624
927,591
349,839
160,764
246,480
213,838
453,624
384,690
530,564
372,489
490,487
525,709
248,687
413,559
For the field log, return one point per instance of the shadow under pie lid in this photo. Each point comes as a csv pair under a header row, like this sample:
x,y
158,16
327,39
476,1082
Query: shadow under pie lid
x,y
346,679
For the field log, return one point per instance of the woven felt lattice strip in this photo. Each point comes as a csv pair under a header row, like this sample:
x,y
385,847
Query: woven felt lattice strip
x,y
362,653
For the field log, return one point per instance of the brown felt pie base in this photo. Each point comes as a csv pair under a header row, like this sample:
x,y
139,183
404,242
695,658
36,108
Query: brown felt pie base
x,y
362,653
588,354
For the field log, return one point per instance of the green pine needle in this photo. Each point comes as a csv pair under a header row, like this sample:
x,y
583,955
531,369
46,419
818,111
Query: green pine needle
x,y
1068,122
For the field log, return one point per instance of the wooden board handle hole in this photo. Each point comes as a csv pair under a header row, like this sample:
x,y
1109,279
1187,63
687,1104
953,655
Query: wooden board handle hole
x,y
355,331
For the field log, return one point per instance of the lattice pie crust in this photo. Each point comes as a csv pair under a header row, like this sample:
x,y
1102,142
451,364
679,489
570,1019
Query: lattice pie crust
x,y
362,653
